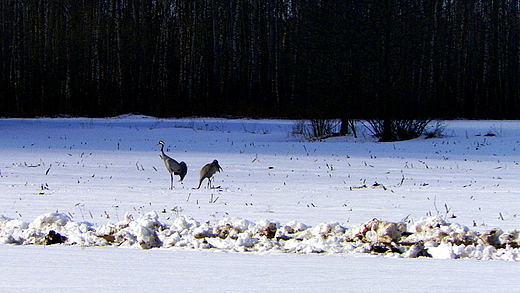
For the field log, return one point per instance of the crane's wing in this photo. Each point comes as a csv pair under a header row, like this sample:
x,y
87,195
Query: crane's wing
x,y
171,164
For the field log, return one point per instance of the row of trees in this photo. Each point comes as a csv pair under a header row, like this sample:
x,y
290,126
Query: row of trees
x,y
386,59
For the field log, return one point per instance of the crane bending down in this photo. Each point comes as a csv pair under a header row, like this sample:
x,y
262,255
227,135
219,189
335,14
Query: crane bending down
x,y
208,171
174,167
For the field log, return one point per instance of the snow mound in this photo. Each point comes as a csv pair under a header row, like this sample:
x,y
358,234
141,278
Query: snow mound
x,y
134,115
430,237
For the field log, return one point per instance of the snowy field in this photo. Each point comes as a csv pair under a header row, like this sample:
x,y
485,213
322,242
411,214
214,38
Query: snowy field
x,y
344,214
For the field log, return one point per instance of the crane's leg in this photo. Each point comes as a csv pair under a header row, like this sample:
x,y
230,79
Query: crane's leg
x,y
171,180
209,183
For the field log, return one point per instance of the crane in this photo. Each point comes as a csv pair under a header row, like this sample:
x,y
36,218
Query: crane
x,y
208,171
173,167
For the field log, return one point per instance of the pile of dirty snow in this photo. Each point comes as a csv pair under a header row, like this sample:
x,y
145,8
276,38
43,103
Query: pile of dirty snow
x,y
429,237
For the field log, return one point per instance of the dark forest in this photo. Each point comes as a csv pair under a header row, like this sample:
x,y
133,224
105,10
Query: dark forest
x,y
354,59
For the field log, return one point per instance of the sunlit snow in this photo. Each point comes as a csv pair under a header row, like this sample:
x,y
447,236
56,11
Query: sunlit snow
x,y
100,183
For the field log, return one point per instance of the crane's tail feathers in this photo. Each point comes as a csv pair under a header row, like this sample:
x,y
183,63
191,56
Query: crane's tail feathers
x,y
183,170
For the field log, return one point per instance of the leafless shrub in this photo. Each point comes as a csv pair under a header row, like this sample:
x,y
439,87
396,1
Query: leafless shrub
x,y
401,129
323,128
299,128
316,128
436,129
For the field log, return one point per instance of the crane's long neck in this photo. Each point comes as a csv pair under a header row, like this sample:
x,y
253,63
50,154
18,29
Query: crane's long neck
x,y
162,151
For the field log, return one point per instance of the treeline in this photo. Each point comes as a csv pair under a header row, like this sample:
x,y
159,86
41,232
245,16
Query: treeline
x,y
386,59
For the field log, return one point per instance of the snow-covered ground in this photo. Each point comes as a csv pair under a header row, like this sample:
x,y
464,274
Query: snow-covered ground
x,y
341,214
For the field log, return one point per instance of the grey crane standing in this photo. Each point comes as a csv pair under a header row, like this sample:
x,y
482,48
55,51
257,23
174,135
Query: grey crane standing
x,y
174,167
208,171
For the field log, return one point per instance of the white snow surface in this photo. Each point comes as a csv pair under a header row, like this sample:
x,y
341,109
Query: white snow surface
x,y
89,199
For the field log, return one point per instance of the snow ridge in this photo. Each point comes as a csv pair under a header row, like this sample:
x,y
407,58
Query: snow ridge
x,y
430,237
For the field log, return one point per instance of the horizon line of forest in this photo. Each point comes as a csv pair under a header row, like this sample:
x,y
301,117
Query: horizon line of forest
x,y
352,59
